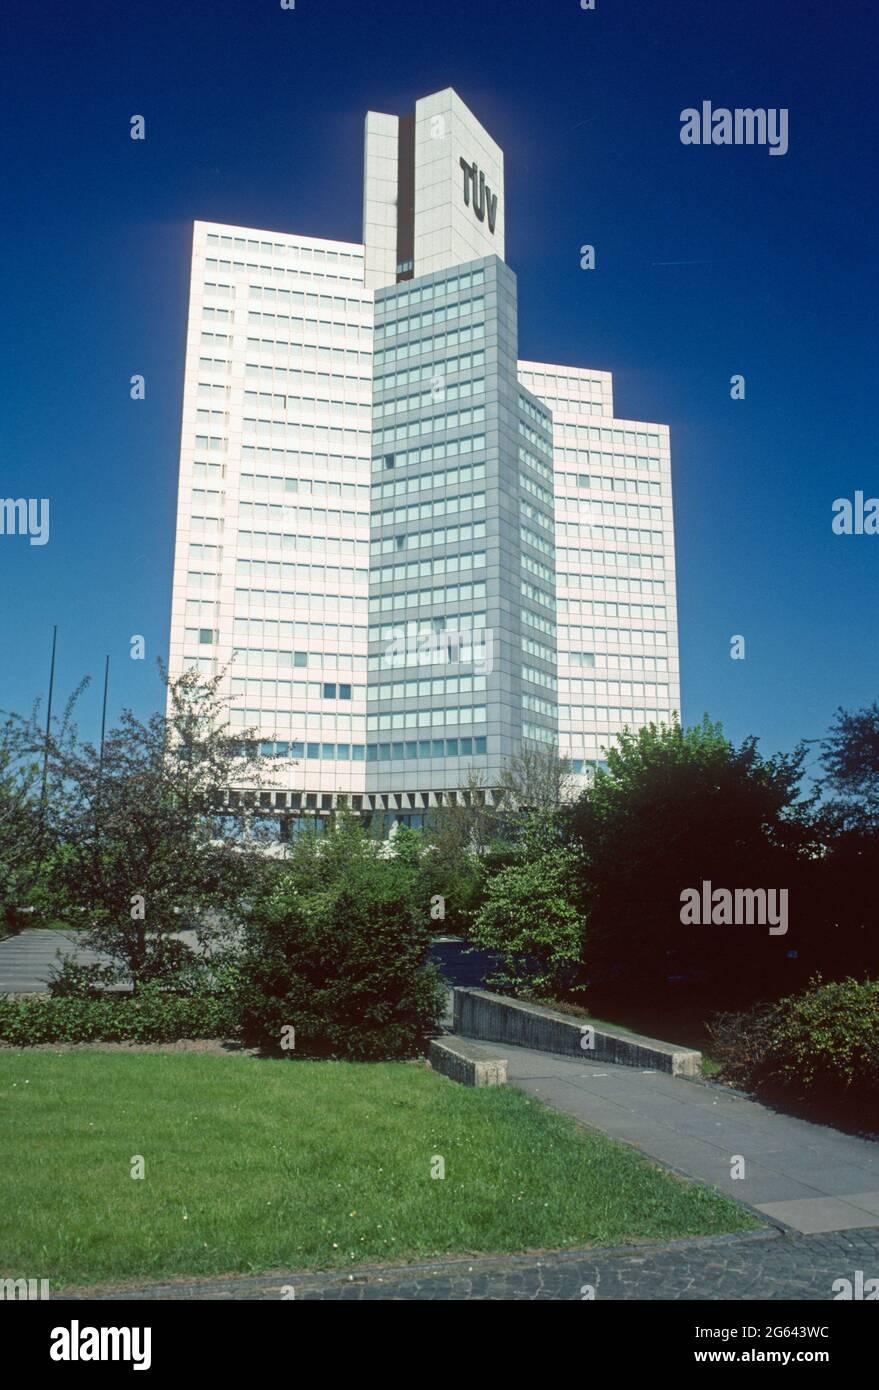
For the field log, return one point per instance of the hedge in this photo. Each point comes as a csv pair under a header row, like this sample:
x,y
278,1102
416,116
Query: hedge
x,y
152,1016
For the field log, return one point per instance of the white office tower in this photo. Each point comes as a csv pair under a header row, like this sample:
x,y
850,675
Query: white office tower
x,y
414,553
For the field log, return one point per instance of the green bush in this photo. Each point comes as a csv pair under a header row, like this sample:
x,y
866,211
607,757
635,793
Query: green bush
x,y
151,1016
530,917
825,1039
336,950
819,1048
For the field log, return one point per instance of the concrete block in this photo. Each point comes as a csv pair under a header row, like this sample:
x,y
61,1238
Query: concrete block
x,y
467,1062
480,1014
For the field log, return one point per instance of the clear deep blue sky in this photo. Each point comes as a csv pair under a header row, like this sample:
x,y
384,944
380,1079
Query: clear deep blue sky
x,y
709,262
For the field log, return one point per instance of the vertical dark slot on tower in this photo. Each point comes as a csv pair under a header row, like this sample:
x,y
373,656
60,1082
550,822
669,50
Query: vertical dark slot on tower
x,y
406,198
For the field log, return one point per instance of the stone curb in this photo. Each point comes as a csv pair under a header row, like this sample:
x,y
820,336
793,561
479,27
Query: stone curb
x,y
480,1014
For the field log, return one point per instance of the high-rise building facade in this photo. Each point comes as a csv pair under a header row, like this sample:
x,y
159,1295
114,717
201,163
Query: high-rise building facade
x,y
412,553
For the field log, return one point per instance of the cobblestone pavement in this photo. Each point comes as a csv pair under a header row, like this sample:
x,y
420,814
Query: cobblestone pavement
x,y
762,1265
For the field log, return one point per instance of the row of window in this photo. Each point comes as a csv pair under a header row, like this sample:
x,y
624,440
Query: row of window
x,y
435,424
615,661
538,733
427,689
285,400
298,458
440,718
312,299
613,583
275,572
426,569
537,621
543,494
273,630
314,383
438,289
536,677
437,342
645,487
253,688
532,647
273,656
580,715
427,371
544,469
540,416
309,487
536,705
536,542
632,690
300,327
601,608
628,535
423,511
645,637
300,515
456,622
535,439
273,540
309,254
617,558
536,594
418,540
279,598
299,430
592,506
334,355
536,515
426,598
438,393
432,453
447,477
428,318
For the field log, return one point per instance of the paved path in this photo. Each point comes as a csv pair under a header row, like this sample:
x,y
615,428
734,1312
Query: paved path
x,y
765,1265
808,1177
27,960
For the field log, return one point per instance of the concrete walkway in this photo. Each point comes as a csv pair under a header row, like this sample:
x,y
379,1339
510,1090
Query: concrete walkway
x,y
805,1177
27,960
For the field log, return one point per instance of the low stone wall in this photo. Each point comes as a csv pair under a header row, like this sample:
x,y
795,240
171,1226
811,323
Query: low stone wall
x,y
467,1062
479,1014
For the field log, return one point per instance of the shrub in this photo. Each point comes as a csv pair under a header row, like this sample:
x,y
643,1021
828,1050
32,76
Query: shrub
x,y
337,950
819,1048
825,1040
152,1016
531,919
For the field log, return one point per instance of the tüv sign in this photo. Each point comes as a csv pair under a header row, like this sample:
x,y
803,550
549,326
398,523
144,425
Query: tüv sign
x,y
484,201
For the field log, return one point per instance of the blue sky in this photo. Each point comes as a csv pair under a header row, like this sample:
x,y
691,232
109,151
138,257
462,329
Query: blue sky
x,y
710,261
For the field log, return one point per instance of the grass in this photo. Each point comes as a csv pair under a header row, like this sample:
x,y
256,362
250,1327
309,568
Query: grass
x,y
254,1165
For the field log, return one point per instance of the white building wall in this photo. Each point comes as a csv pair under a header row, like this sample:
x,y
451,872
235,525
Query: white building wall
x,y
615,563
272,552
448,231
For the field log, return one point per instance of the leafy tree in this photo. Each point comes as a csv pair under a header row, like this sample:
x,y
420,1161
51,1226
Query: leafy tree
x,y
675,808
335,948
531,918
850,757
144,843
21,838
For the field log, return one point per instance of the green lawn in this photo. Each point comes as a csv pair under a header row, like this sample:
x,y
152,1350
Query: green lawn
x,y
254,1165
